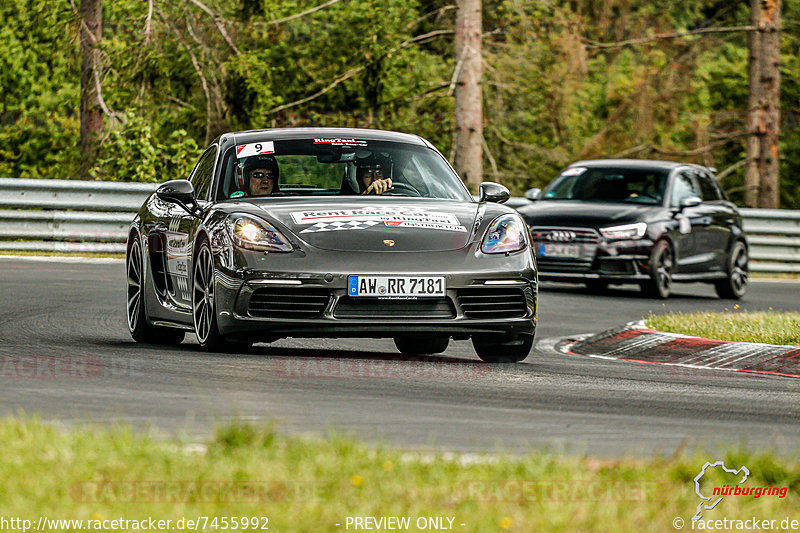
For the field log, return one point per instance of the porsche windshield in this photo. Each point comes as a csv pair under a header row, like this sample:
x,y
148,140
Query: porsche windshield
x,y
611,184
321,167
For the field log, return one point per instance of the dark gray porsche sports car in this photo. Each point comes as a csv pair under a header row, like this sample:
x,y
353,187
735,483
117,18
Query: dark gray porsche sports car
x,y
330,233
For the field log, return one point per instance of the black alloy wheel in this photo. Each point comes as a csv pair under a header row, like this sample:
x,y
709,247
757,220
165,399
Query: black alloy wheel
x,y
138,326
662,266
734,285
204,313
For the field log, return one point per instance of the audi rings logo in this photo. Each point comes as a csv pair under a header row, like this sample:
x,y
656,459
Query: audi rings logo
x,y
561,236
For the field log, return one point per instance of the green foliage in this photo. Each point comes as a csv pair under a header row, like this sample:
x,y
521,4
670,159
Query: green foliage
x,y
39,76
551,94
555,96
133,153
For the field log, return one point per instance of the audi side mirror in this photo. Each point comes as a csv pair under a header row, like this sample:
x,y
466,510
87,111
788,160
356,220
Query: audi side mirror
x,y
493,192
533,194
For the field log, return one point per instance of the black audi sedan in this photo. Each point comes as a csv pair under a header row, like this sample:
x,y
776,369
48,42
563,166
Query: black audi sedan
x,y
617,221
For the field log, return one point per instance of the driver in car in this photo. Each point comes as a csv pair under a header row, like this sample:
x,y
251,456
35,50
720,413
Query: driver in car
x,y
258,177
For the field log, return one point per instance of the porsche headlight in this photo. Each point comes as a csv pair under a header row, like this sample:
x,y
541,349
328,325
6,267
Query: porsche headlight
x,y
254,233
505,234
627,231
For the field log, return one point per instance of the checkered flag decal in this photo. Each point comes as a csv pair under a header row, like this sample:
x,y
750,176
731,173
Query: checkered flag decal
x,y
337,226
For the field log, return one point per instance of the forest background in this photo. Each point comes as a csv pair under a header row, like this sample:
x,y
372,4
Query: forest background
x,y
558,82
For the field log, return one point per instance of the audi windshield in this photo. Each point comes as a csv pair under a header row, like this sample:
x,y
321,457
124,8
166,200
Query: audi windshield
x,y
609,184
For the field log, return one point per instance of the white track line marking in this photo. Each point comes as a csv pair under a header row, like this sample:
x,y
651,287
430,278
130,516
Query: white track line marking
x,y
64,259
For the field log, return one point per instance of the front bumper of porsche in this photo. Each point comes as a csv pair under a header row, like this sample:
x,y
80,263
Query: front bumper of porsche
x,y
254,303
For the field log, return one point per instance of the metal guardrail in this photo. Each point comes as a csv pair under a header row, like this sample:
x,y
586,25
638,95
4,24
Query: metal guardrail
x,y
774,238
93,216
68,215
73,194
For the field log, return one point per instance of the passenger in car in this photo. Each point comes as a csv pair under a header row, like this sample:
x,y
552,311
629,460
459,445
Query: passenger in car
x,y
370,177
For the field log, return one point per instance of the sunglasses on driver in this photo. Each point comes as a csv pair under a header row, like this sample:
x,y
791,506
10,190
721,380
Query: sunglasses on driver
x,y
259,175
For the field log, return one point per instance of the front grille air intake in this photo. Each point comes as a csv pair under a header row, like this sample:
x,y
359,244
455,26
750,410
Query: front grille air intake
x,y
288,302
386,308
491,302
569,266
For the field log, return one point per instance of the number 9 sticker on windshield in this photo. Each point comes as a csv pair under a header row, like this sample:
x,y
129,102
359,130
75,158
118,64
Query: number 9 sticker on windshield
x,y
396,287
262,148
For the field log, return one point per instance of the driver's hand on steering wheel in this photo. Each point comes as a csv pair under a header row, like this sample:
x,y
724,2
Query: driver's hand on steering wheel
x,y
379,186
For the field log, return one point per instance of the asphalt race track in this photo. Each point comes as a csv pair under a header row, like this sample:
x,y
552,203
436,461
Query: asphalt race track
x,y
65,354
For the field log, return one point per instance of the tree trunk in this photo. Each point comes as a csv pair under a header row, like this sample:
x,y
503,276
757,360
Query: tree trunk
x,y
91,113
468,104
754,129
770,59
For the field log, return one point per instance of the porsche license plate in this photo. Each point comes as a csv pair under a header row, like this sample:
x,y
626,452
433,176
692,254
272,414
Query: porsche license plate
x,y
396,286
572,251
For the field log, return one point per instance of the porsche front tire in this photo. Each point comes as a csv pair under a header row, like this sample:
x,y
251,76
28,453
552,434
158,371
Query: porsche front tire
x,y
491,351
204,310
204,313
421,345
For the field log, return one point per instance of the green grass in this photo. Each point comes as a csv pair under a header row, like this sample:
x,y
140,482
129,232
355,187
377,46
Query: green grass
x,y
304,484
775,275
769,327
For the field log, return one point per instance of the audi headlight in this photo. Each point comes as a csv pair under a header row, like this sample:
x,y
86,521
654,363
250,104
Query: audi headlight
x,y
254,233
505,234
626,231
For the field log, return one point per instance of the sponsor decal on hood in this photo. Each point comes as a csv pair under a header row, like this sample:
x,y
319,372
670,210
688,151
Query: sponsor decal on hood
x,y
389,216
361,224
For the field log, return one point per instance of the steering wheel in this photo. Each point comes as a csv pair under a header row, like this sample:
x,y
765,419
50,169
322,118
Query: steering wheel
x,y
401,189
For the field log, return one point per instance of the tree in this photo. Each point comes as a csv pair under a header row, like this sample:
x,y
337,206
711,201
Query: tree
x,y
752,177
764,113
91,111
770,59
468,105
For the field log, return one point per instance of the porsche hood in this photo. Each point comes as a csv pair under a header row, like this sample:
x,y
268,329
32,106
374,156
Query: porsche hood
x,y
400,226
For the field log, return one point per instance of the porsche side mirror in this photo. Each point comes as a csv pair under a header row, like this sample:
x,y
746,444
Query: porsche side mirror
x,y
179,192
493,192
533,194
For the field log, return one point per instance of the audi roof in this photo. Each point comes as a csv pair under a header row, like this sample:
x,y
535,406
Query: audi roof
x,y
635,163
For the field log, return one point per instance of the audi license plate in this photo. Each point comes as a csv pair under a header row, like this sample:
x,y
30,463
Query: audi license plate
x,y
560,250
396,286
